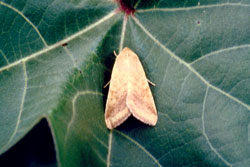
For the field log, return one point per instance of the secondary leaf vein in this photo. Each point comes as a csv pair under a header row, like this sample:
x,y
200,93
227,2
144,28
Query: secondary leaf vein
x,y
204,131
4,56
220,51
111,14
21,107
74,111
140,146
26,19
187,65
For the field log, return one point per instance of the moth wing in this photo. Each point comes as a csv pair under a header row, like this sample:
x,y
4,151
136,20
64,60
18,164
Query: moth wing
x,y
139,99
116,111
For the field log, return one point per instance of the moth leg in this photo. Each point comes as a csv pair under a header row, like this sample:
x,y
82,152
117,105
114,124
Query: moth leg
x,y
151,82
115,54
106,84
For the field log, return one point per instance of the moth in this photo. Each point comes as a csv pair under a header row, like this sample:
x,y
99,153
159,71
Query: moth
x,y
129,92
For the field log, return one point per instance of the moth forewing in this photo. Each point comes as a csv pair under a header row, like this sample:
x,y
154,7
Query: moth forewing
x,y
139,99
129,92
116,111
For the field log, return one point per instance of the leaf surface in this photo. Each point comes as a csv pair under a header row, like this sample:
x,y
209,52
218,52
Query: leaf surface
x,y
57,55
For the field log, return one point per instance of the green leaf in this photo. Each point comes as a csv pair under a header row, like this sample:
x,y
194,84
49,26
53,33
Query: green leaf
x,y
55,57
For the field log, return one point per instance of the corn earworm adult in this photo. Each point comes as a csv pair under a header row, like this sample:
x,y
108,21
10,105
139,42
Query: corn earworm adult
x,y
129,92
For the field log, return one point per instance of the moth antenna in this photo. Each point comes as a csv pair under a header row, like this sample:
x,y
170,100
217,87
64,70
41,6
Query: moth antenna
x,y
106,84
151,82
115,54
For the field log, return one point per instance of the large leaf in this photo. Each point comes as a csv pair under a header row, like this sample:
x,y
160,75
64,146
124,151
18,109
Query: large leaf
x,y
57,55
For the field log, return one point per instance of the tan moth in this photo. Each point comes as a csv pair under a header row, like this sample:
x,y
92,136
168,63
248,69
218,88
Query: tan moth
x,y
129,92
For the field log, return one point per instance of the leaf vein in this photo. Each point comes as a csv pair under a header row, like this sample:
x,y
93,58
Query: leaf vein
x,y
111,14
74,111
220,51
188,65
26,19
191,8
204,131
180,92
21,107
124,24
4,56
109,148
165,74
140,146
71,56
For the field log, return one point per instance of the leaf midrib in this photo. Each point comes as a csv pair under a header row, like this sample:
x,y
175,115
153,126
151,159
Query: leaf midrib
x,y
58,44
188,65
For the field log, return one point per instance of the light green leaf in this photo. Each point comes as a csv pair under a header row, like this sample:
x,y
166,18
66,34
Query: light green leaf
x,y
57,55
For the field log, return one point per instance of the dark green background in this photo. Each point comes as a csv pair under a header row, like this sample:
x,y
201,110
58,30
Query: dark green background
x,y
196,52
